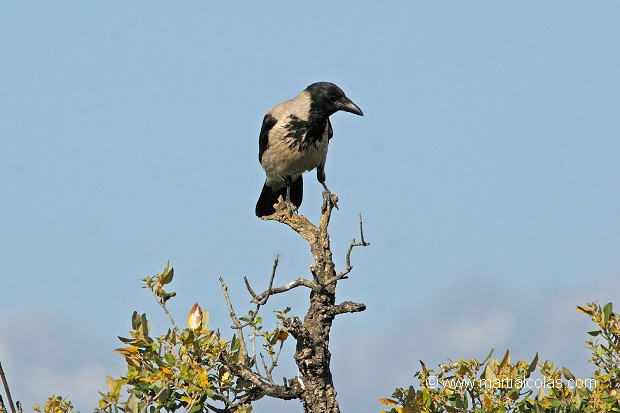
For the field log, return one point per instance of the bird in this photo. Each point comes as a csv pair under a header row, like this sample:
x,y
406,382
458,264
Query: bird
x,y
294,138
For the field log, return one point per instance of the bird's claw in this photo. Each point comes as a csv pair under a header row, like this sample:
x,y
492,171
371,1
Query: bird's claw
x,y
285,205
329,200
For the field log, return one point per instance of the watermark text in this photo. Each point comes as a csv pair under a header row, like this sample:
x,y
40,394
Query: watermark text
x,y
434,382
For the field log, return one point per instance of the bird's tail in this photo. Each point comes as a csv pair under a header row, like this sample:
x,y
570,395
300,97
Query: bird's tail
x,y
268,198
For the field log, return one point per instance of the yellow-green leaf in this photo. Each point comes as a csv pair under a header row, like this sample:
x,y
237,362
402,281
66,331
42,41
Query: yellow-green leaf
x,y
388,402
487,401
205,319
148,379
128,351
111,383
584,310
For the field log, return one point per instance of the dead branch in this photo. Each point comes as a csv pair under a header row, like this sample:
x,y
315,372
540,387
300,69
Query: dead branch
x,y
343,274
298,223
6,389
268,389
347,307
287,287
267,369
237,327
261,299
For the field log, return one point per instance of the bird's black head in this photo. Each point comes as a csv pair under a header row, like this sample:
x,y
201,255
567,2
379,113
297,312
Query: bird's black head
x,y
328,99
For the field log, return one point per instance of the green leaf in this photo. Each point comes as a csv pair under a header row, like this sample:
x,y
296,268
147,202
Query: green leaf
x,y
135,318
487,357
170,359
594,333
167,276
532,366
567,374
144,325
132,404
606,313
505,361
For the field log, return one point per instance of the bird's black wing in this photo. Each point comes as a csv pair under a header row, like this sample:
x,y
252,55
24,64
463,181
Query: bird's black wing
x,y
263,138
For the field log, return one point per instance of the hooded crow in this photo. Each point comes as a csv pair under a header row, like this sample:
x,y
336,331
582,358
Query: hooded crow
x,y
294,139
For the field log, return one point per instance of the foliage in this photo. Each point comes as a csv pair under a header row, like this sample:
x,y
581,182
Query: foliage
x,y
186,368
55,404
469,385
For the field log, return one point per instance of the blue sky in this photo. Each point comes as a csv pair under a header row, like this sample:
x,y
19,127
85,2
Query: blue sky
x,y
485,167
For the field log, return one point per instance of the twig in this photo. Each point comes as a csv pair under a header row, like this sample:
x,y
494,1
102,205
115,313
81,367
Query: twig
x,y
216,409
263,301
103,408
342,274
267,369
6,389
293,284
162,304
237,327
362,232
274,360
260,302
150,400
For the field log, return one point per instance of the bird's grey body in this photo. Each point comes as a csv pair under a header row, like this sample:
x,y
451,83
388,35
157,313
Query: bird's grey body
x,y
294,139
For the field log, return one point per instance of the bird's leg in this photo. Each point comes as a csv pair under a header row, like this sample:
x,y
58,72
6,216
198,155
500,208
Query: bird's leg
x,y
288,181
325,187
327,194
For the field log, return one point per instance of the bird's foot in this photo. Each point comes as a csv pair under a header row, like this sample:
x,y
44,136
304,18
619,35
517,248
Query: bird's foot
x,y
329,200
285,205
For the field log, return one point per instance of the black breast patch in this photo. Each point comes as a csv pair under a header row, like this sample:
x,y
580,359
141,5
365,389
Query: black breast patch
x,y
303,133
295,128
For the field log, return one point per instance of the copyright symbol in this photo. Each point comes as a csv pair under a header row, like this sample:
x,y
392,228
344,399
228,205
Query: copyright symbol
x,y
432,382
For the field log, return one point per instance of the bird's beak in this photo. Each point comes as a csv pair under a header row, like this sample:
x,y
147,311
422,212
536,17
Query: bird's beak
x,y
346,105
